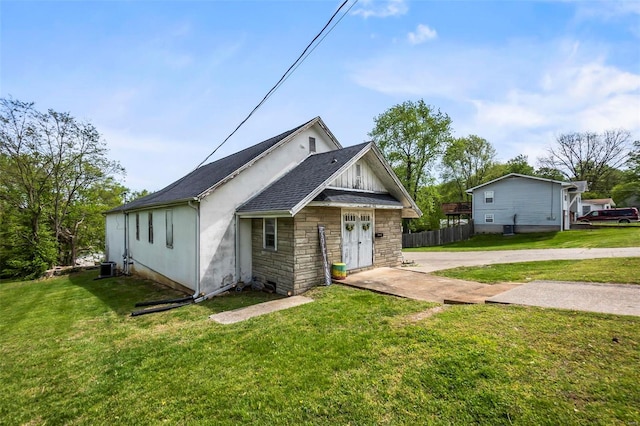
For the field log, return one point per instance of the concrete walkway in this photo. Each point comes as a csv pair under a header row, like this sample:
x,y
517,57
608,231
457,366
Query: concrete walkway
x,y
415,282
435,261
241,314
619,299
421,286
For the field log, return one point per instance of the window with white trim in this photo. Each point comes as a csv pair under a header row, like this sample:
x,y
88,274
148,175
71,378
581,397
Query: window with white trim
x,y
488,197
270,233
169,227
488,218
312,144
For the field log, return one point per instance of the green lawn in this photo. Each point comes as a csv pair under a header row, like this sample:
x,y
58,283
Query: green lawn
x,y
71,354
608,270
588,238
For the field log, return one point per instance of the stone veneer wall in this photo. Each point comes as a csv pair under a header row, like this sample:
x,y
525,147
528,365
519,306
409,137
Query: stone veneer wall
x,y
308,256
296,267
270,265
388,249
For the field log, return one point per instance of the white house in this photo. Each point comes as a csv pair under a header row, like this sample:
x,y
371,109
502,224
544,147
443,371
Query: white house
x,y
597,204
525,204
254,216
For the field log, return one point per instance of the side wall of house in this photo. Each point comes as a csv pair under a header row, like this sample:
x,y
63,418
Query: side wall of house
x,y
297,265
537,206
158,259
217,210
308,266
388,248
275,266
114,238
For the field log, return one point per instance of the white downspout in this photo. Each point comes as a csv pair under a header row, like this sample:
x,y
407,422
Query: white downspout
x,y
237,248
125,255
197,286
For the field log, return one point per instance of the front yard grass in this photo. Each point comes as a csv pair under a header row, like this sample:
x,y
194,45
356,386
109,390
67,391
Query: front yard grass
x,y
71,354
584,238
607,270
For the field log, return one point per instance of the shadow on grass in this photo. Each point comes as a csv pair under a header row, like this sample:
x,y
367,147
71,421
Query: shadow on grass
x,y
121,293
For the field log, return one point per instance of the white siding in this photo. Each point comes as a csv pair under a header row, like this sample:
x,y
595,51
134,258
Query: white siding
x,y
177,263
114,238
367,181
217,261
217,210
534,203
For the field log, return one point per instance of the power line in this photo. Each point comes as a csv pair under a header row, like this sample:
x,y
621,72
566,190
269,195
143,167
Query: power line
x,y
287,73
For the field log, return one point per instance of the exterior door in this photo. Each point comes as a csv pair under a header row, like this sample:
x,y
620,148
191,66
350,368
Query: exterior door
x,y
357,241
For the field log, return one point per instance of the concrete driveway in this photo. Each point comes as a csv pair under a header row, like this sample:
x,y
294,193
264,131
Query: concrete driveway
x,y
415,282
435,261
420,286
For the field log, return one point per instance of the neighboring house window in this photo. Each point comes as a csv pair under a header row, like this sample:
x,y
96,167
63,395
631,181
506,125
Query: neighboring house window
x,y
488,218
358,176
488,197
169,225
312,144
138,226
151,227
270,237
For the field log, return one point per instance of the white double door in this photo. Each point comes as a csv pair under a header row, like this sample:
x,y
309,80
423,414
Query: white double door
x,y
357,238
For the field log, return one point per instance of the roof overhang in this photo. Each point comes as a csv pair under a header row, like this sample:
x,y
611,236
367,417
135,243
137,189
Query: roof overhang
x,y
152,206
409,208
304,128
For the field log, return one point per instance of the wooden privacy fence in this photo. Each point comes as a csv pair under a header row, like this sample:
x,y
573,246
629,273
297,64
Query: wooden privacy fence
x,y
439,237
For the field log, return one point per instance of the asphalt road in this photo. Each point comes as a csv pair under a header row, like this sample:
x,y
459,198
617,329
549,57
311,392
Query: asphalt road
x,y
435,261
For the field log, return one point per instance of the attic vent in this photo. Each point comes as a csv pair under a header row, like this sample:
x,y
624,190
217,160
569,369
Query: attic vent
x,y
312,144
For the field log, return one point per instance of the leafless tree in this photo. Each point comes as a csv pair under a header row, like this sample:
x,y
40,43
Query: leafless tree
x,y
588,156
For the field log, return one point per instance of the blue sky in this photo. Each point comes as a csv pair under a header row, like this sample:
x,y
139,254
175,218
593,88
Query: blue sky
x,y
166,81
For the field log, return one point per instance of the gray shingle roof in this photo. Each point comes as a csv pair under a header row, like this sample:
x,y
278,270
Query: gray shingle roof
x,y
203,178
353,197
285,193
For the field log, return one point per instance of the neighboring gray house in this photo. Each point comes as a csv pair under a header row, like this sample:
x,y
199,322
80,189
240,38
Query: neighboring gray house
x,y
254,215
597,204
526,203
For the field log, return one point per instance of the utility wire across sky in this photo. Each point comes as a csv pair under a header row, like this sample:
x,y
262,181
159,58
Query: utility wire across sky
x,y
301,58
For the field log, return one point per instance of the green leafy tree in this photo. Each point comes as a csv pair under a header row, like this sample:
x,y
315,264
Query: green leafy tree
x,y
412,136
550,173
48,163
627,191
520,164
467,161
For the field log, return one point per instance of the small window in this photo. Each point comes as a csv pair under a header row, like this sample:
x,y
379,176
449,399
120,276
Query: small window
x,y
151,227
312,144
169,225
138,226
488,218
488,197
270,237
358,176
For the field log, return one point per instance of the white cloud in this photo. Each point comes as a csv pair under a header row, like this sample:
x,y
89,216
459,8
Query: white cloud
x,y
423,33
517,96
381,9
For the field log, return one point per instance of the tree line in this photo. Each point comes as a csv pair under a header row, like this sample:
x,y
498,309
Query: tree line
x,y
436,167
55,181
56,178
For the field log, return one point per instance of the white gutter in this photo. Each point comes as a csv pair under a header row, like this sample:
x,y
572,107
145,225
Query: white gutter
x,y
125,255
197,210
